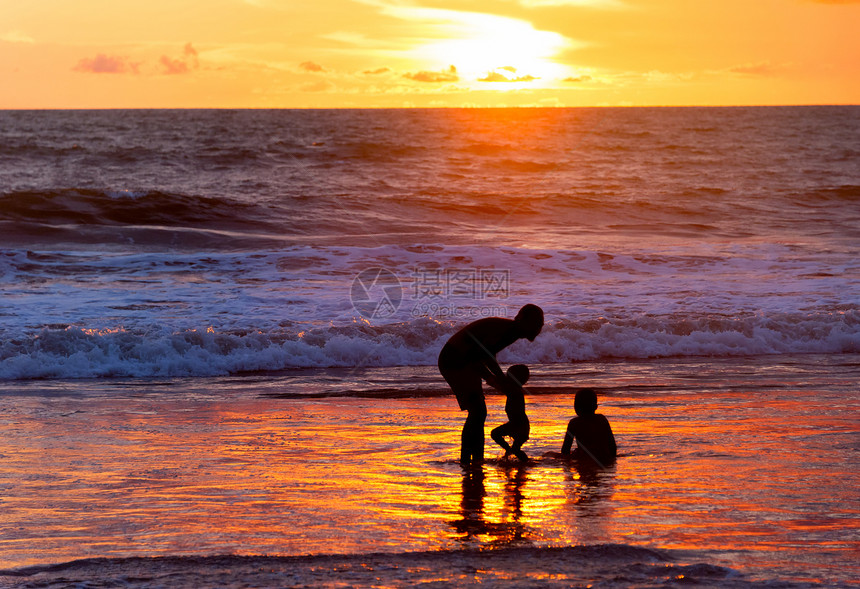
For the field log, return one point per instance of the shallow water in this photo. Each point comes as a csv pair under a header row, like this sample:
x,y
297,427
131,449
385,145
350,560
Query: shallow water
x,y
748,464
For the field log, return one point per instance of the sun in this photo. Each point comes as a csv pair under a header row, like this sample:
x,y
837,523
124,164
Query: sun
x,y
504,51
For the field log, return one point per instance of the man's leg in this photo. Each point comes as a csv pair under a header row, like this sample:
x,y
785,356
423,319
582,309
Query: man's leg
x,y
467,386
472,439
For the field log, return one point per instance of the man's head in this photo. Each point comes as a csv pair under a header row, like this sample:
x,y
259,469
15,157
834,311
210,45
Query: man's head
x,y
530,320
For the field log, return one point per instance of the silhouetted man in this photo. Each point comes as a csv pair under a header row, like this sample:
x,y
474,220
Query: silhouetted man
x,y
470,357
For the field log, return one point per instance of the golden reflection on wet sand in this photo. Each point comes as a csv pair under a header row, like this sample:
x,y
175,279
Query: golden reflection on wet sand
x,y
155,474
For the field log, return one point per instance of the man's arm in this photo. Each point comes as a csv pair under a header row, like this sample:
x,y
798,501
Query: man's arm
x,y
490,366
493,373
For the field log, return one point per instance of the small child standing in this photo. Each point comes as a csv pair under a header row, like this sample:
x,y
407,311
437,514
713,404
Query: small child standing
x,y
517,427
592,432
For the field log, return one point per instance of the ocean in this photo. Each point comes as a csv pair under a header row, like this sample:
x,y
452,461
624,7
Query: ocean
x,y
219,330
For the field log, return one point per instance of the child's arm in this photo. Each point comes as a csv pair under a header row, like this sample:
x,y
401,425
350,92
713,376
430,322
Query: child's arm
x,y
610,439
569,436
492,380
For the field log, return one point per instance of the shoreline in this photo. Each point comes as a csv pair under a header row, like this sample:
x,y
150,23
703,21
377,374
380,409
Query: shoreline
x,y
610,565
504,567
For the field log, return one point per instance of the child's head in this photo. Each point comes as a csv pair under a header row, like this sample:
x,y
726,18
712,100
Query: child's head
x,y
585,402
519,373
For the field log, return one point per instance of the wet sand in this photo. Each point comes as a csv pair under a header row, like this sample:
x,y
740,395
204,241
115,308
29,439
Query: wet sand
x,y
748,465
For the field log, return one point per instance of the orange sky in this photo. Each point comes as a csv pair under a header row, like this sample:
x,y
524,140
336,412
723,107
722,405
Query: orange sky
x,y
395,53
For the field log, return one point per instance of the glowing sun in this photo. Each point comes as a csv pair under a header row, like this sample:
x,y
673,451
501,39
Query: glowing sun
x,y
496,49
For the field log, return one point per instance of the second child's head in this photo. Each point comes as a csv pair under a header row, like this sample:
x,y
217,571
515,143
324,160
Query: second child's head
x,y
519,373
585,402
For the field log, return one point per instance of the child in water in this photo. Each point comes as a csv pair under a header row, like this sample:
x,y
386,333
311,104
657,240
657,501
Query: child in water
x,y
591,430
517,427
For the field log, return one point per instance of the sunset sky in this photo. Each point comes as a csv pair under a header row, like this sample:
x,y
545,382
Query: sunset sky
x,y
400,53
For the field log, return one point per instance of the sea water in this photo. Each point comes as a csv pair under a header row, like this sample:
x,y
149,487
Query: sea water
x,y
169,274
192,243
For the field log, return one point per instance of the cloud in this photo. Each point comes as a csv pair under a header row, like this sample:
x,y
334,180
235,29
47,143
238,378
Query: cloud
x,y
449,75
575,3
376,72
762,68
310,66
190,51
321,86
661,77
183,65
578,79
173,66
17,37
474,41
106,64
358,40
496,76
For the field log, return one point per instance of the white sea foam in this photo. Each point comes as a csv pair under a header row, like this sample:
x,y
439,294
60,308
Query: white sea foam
x,y
74,353
83,315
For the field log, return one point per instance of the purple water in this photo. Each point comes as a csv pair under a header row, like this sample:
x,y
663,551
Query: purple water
x,y
173,243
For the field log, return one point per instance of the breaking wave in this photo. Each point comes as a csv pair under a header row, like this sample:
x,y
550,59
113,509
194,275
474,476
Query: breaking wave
x,y
74,352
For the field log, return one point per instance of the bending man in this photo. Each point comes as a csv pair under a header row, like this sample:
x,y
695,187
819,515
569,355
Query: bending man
x,y
470,357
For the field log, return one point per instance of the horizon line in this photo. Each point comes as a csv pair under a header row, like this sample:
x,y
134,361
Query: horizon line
x,y
466,107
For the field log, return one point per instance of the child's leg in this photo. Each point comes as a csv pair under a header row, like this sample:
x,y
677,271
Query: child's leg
x,y
515,448
498,435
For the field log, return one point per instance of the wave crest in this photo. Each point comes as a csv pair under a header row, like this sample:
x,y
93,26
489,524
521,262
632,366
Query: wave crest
x,y
125,207
73,352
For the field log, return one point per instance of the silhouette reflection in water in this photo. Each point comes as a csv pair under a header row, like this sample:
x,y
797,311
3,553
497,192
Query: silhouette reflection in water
x,y
472,505
487,520
587,483
474,527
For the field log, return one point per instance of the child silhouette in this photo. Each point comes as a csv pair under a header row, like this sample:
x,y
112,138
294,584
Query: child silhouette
x,y
591,430
517,426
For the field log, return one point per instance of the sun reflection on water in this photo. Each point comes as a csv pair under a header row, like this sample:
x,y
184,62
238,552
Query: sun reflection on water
x,y
147,473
